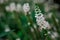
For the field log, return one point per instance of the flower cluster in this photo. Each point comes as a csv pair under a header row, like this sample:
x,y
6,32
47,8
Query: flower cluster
x,y
13,7
40,19
18,7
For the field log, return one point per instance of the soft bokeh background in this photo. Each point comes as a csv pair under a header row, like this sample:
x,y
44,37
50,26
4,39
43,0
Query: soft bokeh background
x,y
18,22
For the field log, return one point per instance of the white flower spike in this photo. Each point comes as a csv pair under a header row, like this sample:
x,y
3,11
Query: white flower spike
x,y
41,20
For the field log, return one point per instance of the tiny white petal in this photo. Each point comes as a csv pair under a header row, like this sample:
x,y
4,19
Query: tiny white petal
x,y
53,36
45,34
50,15
7,29
49,32
40,19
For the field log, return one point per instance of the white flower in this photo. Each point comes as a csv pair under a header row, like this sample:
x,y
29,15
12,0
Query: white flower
x,y
45,34
54,35
7,8
18,39
32,30
12,7
55,28
28,23
18,7
7,29
57,20
47,7
26,7
49,15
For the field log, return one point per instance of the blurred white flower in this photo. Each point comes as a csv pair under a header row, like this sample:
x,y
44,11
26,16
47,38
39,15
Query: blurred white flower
x,y
28,23
46,24
49,32
26,7
7,29
54,35
45,34
32,30
18,39
7,8
39,18
54,28
18,7
12,7
49,15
